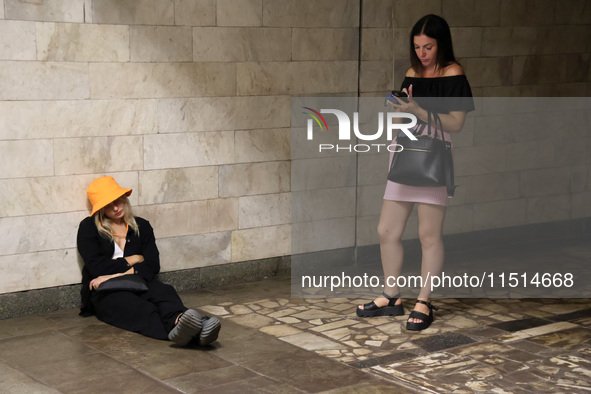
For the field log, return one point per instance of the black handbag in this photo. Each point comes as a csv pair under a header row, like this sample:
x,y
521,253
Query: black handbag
x,y
426,162
129,282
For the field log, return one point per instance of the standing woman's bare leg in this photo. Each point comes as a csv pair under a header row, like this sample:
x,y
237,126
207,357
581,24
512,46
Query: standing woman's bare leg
x,y
430,234
393,220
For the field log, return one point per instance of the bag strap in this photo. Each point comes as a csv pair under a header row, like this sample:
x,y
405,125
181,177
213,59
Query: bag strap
x,y
447,162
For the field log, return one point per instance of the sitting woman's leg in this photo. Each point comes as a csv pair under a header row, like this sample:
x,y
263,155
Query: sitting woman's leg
x,y
130,312
167,301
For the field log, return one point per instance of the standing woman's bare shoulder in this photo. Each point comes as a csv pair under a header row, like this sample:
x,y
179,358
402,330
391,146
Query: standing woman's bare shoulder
x,y
453,70
411,73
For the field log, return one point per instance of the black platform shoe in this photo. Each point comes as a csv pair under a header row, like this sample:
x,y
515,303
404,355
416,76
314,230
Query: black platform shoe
x,y
426,319
372,310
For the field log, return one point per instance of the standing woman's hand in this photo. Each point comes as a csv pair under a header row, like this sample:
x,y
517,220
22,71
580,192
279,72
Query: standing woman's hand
x,y
411,106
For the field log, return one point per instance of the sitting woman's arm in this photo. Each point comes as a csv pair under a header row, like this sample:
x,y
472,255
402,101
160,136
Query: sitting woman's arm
x,y
150,266
95,252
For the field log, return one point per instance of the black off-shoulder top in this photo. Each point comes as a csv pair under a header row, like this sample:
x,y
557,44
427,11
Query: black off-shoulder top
x,y
441,94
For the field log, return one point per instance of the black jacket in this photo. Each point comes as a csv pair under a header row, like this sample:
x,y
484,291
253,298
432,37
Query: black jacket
x,y
97,253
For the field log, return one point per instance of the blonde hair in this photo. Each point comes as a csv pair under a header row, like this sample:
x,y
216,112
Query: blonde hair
x,y
103,223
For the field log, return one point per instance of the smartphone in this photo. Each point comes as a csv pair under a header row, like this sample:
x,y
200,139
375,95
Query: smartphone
x,y
400,94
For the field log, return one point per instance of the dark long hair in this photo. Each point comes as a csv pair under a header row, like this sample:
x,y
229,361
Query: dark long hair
x,y
435,27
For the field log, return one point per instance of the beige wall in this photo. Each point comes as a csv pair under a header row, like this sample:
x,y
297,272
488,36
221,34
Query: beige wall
x,y
188,103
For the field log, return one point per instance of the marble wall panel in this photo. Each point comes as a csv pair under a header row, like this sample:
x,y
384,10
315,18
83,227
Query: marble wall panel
x,y
17,40
160,44
223,214
459,219
39,270
133,12
236,44
327,44
160,80
406,13
377,44
372,169
367,233
314,205
261,242
75,42
264,210
194,251
580,207
577,12
579,176
401,43
261,145
223,113
539,70
541,182
56,10
239,12
376,76
563,39
468,42
97,154
499,214
491,187
471,12
188,218
37,233
45,195
466,137
529,155
377,13
76,118
323,173
178,185
529,12
266,78
488,71
577,67
302,78
1,9
369,199
570,151
22,159
311,13
255,178
548,208
163,151
195,12
322,235
43,81
479,160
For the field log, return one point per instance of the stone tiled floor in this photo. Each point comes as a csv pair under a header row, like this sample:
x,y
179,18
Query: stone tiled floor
x,y
271,342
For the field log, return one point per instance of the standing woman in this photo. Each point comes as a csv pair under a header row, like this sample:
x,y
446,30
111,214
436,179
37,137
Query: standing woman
x,y
434,72
113,242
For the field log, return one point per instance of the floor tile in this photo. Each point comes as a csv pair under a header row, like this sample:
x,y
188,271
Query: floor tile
x,y
95,373
14,381
24,352
196,381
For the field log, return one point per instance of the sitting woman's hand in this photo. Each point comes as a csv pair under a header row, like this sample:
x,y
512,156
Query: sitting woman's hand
x,y
96,282
134,259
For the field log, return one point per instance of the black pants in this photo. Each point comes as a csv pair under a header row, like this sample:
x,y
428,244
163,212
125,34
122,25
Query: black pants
x,y
152,313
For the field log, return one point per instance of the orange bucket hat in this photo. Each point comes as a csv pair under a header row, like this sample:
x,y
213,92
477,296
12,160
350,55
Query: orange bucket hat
x,y
103,191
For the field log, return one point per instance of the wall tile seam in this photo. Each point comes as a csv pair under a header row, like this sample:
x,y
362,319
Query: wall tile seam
x,y
39,251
